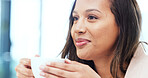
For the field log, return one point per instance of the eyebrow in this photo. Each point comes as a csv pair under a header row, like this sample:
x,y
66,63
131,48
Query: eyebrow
x,y
74,12
89,10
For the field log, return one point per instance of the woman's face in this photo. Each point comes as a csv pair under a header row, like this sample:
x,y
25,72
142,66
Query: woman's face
x,y
94,31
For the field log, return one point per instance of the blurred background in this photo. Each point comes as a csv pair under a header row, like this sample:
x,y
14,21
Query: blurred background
x,y
29,27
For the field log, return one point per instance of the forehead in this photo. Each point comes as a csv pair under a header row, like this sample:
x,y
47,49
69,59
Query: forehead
x,y
92,4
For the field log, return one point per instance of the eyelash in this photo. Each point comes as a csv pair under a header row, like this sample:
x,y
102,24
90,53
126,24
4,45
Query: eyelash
x,y
75,18
90,17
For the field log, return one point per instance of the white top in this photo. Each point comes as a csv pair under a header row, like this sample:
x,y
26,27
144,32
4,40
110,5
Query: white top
x,y
138,67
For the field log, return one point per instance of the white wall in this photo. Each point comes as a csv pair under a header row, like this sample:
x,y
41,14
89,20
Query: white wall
x,y
55,16
38,27
144,10
24,30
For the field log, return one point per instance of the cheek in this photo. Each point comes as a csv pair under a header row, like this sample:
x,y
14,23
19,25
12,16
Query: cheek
x,y
105,37
72,32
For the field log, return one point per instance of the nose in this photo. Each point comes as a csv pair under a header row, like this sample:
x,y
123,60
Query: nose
x,y
80,27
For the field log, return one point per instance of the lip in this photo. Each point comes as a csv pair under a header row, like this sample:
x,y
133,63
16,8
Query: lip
x,y
81,41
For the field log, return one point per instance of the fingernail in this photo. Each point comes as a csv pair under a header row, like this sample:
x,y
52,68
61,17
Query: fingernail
x,y
48,63
42,73
67,61
42,67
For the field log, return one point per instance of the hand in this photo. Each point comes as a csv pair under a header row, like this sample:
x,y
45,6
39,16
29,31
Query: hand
x,y
69,69
23,69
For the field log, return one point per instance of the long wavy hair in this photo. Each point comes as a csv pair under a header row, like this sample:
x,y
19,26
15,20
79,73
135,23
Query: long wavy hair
x,y
128,18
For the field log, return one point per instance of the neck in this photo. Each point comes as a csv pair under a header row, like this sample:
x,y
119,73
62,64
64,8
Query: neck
x,y
103,66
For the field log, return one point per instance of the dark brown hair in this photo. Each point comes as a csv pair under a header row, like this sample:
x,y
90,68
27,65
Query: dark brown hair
x,y
128,18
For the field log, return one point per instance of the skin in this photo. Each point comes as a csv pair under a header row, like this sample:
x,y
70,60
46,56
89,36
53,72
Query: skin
x,y
94,22
23,69
69,69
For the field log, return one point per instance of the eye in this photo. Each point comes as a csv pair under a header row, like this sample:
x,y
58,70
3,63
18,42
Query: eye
x,y
91,17
75,18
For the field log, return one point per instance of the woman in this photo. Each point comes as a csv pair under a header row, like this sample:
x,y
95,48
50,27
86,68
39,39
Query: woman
x,y
102,39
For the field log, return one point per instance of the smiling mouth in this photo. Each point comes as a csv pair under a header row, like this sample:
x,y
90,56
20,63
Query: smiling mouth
x,y
81,42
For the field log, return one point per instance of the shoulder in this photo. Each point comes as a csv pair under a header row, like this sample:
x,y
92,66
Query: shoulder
x,y
138,67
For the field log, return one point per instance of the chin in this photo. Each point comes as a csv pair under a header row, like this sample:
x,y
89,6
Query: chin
x,y
83,55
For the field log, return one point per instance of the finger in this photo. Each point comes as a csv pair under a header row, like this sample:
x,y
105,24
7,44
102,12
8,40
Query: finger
x,y
56,71
62,66
49,75
25,62
77,63
19,75
72,62
23,70
69,67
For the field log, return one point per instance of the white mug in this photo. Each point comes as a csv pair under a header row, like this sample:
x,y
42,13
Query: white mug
x,y
37,61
